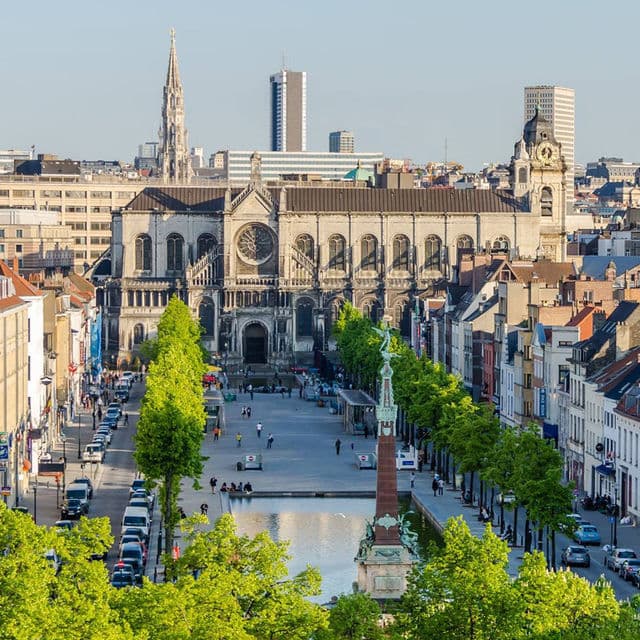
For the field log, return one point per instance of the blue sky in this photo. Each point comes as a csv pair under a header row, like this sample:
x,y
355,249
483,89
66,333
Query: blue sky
x,y
84,79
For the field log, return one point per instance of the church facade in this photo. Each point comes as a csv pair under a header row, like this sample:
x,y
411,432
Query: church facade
x,y
267,268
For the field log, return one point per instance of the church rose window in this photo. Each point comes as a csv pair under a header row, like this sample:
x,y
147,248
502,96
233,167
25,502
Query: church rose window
x,y
255,243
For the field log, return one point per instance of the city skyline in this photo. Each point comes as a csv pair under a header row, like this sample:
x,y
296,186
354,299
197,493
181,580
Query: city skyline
x,y
402,84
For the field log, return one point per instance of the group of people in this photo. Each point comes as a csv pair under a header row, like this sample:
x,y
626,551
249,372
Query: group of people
x,y
437,485
245,412
224,488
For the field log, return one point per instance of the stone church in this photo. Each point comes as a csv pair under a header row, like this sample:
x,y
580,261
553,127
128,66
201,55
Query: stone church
x,y
266,268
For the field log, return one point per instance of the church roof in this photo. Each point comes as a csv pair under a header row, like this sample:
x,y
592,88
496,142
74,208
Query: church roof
x,y
311,199
537,129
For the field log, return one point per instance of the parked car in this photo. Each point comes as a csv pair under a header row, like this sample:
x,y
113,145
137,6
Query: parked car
x,y
78,490
143,494
110,421
575,555
128,376
140,502
138,532
587,534
93,452
132,539
136,485
73,508
116,407
629,570
616,556
121,579
113,414
122,395
106,433
131,553
86,481
572,520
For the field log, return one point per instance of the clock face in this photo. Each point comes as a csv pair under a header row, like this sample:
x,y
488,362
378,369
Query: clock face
x,y
546,153
255,244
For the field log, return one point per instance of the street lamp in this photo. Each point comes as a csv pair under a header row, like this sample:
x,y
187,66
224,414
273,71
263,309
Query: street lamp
x,y
35,501
64,461
615,515
79,451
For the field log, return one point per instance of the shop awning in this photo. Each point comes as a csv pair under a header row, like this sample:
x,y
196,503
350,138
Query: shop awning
x,y
606,470
549,430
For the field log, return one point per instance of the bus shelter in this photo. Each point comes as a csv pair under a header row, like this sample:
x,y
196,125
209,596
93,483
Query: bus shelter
x,y
214,408
358,410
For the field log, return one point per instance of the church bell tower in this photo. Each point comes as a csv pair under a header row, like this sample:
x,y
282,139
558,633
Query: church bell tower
x,y
174,160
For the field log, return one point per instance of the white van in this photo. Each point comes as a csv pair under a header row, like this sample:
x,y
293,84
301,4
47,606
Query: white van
x,y
93,453
137,517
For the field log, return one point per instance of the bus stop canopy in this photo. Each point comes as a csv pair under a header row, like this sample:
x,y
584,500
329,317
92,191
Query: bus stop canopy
x,y
357,411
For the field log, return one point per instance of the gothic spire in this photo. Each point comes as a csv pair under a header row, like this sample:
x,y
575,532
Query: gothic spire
x,y
173,73
174,161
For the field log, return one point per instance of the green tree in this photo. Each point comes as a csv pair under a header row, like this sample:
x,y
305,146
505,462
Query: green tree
x,y
463,591
354,617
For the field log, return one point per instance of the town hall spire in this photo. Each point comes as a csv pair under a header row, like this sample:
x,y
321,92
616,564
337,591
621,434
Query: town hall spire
x,y
174,161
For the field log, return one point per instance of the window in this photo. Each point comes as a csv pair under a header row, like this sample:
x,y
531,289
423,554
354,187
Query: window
x,y
143,253
74,209
206,242
304,318
546,202
50,193
401,253
78,226
18,248
18,233
138,334
22,193
100,209
206,315
370,310
337,259
304,244
75,194
80,240
401,318
368,253
100,226
100,194
433,250
500,245
522,175
464,242
175,244
1,233
1,248
125,194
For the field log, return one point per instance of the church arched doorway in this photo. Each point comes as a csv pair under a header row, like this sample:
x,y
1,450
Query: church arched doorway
x,y
255,344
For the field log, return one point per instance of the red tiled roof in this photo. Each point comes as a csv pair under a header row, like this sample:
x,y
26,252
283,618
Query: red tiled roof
x,y
22,287
10,302
585,312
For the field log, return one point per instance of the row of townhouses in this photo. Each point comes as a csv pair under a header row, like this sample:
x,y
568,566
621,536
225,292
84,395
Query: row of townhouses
x,y
556,344
49,355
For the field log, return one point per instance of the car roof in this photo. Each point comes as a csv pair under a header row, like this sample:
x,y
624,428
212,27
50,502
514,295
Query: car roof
x,y
77,485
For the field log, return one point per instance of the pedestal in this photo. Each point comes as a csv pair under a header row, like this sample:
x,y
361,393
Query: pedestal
x,y
383,572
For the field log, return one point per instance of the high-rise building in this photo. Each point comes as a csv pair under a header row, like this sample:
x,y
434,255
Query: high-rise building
x,y
289,111
558,106
174,159
341,142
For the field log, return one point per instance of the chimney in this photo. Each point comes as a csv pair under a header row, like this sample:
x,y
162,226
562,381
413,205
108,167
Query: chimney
x,y
15,267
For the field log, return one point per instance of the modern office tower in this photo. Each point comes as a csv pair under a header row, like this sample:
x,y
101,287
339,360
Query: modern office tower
x,y
558,106
289,111
174,159
341,142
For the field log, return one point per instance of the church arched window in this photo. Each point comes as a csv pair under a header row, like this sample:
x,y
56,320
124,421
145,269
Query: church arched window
x,y
304,244
522,175
206,316
337,258
401,318
143,253
138,334
433,252
464,242
370,309
332,316
546,202
401,253
304,318
206,242
175,245
500,245
368,253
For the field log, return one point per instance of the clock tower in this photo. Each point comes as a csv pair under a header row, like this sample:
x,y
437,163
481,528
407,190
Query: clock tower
x,y
546,184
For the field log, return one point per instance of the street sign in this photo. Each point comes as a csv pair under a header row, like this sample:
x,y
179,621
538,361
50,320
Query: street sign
x,y
5,491
4,451
3,466
50,468
612,519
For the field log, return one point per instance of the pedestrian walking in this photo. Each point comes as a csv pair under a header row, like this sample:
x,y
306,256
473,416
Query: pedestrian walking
x,y
216,433
213,482
366,430
259,429
239,439
126,419
338,444
204,507
270,441
434,486
300,391
440,487
243,413
289,391
250,390
249,411
412,479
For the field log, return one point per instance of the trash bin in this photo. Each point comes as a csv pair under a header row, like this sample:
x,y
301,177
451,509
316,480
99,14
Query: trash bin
x,y
240,466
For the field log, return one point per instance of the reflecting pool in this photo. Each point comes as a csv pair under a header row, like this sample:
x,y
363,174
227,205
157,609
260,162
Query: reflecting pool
x,y
323,532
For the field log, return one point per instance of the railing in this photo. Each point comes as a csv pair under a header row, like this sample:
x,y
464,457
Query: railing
x,y
303,261
203,272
